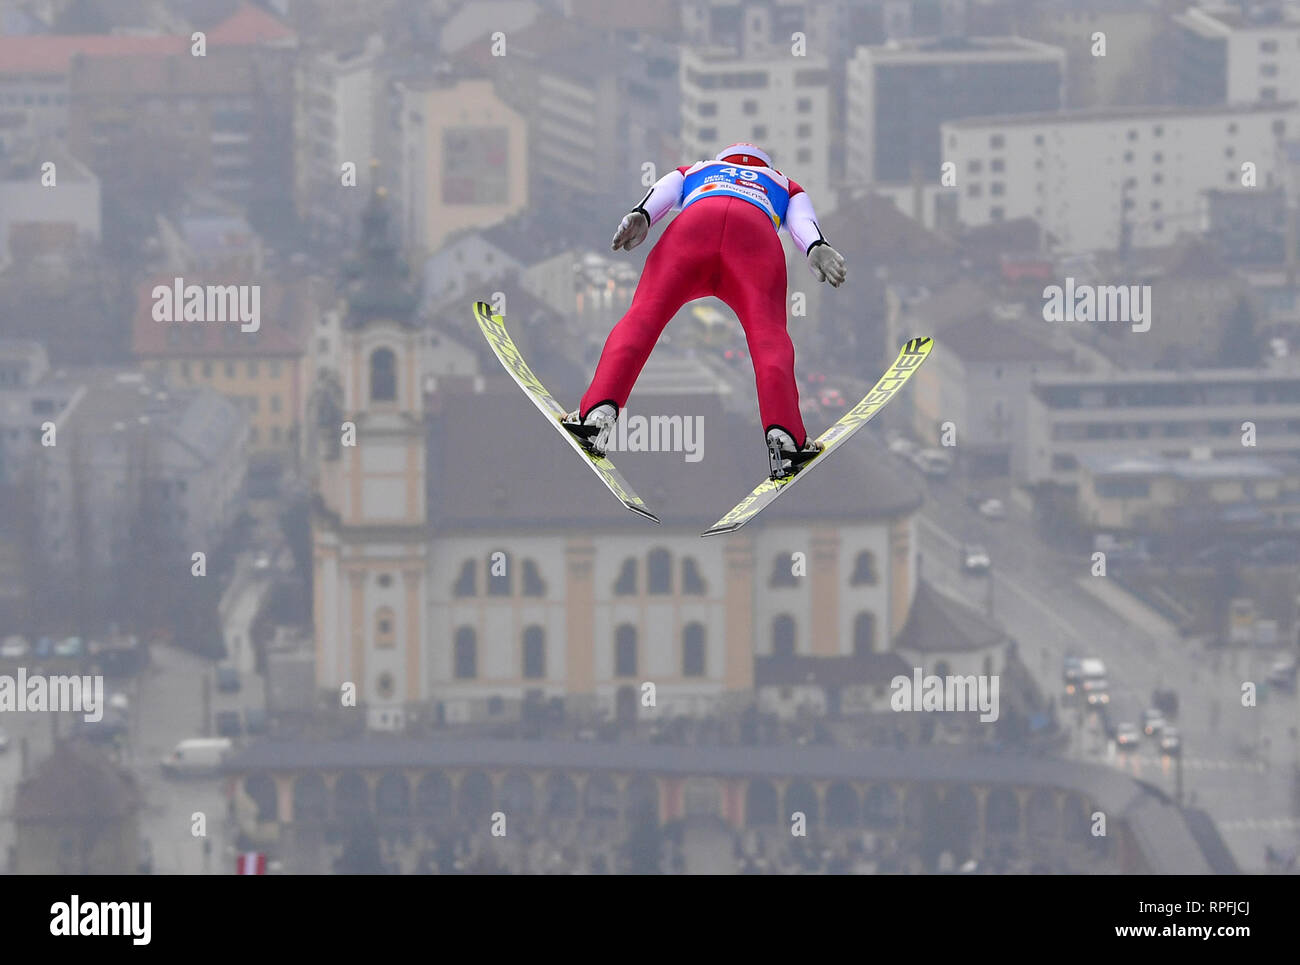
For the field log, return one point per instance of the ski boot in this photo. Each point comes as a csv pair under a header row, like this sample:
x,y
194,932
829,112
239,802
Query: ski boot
x,y
594,431
783,459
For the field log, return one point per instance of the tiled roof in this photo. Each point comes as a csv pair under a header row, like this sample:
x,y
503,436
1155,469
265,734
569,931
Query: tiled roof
x,y
53,54
941,623
249,25
526,475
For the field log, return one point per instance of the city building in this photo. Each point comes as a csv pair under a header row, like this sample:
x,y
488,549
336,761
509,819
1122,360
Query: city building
x,y
125,441
1213,498
1237,54
979,384
339,113
777,101
1106,178
898,94
30,394
1170,414
221,123
463,153
36,219
78,813
266,372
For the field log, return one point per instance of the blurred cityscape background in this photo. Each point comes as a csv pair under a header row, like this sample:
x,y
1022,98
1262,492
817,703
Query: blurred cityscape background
x,y
429,651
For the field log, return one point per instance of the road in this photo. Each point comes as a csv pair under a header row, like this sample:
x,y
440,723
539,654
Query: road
x,y
1239,763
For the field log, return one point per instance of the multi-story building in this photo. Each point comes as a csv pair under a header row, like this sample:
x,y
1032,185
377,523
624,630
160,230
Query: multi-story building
x,y
899,94
463,152
1096,178
35,90
222,122
337,119
1171,414
126,441
267,373
1238,54
979,384
30,394
779,102
1206,497
594,121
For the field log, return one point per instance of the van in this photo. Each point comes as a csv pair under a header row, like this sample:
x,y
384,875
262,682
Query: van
x,y
197,756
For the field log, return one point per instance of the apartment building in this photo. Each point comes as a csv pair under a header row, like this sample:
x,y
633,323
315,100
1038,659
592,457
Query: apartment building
x,y
781,103
1093,178
1238,54
1170,414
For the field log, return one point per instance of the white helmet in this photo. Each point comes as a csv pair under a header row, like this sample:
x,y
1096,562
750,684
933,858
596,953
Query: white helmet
x,y
748,153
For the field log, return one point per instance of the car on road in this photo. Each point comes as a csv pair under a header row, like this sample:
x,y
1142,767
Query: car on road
x,y
1071,673
43,647
14,648
1282,674
112,725
119,701
934,463
1096,691
1277,552
900,445
1127,734
1171,742
68,647
196,757
974,559
262,561
992,509
1153,722
1079,671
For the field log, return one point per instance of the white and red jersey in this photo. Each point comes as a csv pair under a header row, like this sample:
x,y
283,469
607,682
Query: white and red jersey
x,y
785,203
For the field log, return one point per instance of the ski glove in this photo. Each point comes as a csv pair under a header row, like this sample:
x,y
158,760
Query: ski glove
x,y
631,232
827,264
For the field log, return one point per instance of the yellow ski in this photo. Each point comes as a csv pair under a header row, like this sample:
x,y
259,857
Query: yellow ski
x,y
494,330
915,352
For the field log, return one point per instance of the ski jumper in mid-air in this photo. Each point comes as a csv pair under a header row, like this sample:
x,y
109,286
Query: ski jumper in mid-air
x,y
725,243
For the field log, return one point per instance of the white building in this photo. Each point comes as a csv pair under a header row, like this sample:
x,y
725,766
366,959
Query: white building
x,y
34,217
1235,56
1166,414
336,118
1083,174
781,103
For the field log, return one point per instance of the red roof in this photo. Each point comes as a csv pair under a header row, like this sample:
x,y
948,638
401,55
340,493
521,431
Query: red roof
x,y
249,25
51,54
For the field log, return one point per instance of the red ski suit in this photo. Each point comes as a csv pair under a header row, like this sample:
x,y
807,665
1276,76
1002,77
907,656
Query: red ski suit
x,y
719,245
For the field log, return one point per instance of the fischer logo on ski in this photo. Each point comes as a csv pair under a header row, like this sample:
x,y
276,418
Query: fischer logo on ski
x,y
913,353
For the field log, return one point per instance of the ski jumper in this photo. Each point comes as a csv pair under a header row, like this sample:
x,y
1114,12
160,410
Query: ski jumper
x,y
725,242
